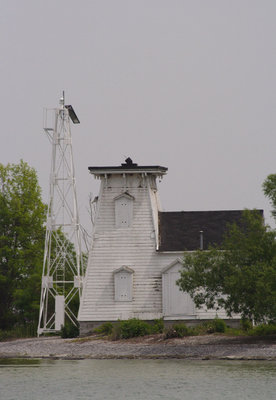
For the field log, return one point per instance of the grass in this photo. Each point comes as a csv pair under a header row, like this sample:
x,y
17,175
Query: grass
x,y
18,332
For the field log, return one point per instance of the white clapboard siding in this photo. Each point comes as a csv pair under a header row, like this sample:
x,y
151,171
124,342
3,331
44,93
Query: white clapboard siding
x,y
134,247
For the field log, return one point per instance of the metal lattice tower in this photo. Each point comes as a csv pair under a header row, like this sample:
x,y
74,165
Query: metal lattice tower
x,y
62,264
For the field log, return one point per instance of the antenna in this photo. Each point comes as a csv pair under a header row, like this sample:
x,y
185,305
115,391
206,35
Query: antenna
x,y
62,265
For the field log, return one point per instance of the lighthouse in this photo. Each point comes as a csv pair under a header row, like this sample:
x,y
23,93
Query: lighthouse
x,y
137,250
123,278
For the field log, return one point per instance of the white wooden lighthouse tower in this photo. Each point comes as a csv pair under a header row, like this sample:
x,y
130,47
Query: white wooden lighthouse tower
x,y
123,278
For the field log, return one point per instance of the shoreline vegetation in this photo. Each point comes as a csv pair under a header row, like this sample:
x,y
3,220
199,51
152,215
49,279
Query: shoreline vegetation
x,y
202,347
136,339
126,329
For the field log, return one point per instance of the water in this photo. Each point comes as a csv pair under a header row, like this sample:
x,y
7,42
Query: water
x,y
136,379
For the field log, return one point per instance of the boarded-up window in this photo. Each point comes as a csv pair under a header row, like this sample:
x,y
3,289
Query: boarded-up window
x,y
175,302
124,210
123,282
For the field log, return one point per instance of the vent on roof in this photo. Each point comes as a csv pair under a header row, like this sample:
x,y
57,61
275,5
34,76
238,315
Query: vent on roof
x,y
201,240
129,163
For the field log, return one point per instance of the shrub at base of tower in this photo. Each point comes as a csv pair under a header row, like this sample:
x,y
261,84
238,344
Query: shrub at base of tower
x,y
130,328
69,330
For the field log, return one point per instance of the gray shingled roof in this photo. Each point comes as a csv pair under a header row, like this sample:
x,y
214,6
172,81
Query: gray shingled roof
x,y
180,230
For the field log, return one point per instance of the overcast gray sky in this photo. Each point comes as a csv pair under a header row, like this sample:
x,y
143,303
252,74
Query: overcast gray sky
x,y
189,85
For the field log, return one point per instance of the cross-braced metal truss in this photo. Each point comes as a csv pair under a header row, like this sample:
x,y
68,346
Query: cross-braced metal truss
x,y
62,265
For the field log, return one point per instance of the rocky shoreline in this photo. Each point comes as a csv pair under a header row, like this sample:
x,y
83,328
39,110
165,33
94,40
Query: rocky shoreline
x,y
207,347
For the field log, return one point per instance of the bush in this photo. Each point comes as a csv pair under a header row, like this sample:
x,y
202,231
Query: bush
x,y
4,335
158,326
177,331
263,330
131,328
219,325
134,327
116,333
213,326
104,329
69,330
246,325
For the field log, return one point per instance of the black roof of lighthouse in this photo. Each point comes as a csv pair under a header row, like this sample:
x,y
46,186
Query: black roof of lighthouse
x,y
181,230
128,167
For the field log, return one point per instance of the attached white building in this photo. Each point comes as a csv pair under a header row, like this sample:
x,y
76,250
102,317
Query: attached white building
x,y
137,249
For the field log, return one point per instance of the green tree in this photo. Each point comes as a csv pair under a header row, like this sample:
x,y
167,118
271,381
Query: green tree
x,y
269,188
22,215
240,276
